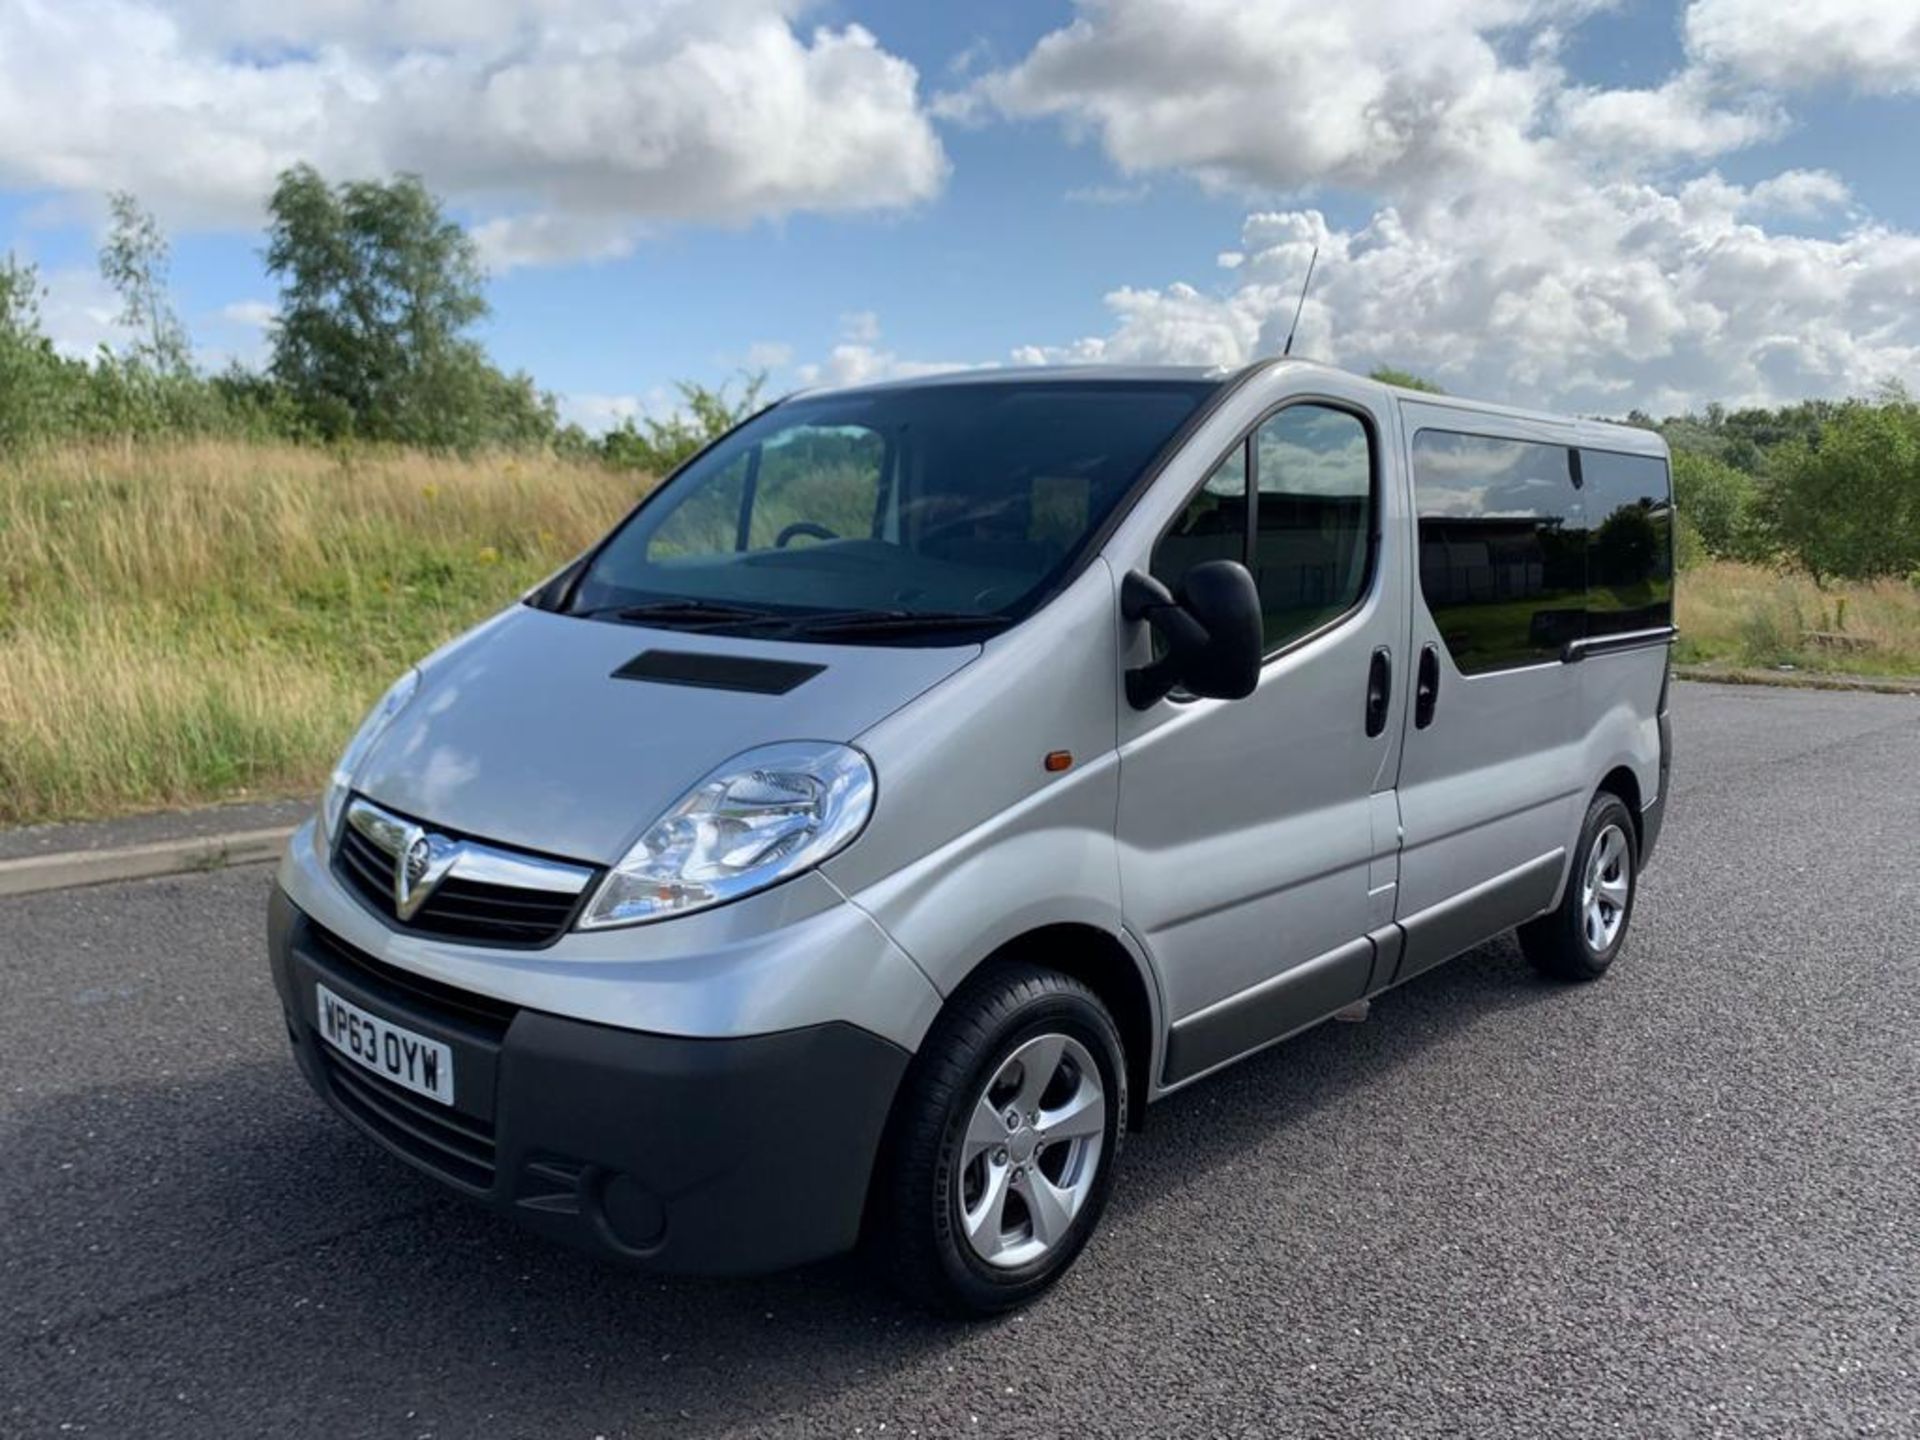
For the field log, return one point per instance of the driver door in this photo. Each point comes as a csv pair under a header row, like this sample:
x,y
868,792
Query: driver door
x,y
1258,837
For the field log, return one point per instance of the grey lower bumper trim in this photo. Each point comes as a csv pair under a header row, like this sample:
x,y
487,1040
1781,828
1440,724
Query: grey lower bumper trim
x,y
1442,931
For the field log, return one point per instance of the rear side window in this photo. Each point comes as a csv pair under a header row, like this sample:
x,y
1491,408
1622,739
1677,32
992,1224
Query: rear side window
x,y
1502,553
1516,559
1293,502
1629,542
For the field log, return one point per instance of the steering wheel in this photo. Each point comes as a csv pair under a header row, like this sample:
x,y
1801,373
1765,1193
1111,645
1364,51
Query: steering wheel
x,y
799,528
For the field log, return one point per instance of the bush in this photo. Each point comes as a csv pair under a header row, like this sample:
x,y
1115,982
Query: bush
x,y
1848,504
1689,550
1772,632
1722,505
660,446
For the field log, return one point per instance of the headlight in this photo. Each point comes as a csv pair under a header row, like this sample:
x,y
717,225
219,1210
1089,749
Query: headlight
x,y
765,815
378,718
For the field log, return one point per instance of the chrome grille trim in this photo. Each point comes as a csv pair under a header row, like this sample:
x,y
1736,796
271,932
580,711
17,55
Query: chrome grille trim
x,y
444,884
473,860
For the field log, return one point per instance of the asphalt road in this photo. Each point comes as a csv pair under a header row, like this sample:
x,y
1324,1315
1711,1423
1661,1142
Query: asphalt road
x,y
1685,1201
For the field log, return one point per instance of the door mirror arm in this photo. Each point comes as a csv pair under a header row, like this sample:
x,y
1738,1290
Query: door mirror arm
x,y
1212,631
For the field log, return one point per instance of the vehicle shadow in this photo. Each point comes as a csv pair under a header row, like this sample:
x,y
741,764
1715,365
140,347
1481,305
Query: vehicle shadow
x,y
1282,1086
180,1255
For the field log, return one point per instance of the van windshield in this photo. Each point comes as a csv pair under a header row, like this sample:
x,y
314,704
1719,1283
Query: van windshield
x,y
888,513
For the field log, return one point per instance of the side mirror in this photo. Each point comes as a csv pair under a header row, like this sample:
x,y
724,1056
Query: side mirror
x,y
1212,633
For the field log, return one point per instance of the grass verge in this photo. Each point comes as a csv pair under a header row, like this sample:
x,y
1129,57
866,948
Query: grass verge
x,y
196,622
1749,615
206,621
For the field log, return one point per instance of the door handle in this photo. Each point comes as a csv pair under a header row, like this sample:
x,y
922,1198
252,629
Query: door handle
x,y
1379,690
1426,687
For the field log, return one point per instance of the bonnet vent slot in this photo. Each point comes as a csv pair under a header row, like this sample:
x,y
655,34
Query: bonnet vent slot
x,y
717,672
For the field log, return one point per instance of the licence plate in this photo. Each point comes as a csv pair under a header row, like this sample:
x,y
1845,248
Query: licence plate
x,y
421,1065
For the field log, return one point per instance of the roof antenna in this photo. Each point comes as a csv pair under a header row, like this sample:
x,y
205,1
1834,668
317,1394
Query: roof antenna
x,y
1300,303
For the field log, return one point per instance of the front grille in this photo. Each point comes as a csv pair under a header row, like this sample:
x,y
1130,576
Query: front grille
x,y
454,1146
417,994
459,908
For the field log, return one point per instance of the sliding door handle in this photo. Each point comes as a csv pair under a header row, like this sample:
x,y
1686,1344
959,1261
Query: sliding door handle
x,y
1379,690
1426,687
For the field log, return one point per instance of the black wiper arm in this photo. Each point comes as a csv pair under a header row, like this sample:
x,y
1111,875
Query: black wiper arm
x,y
873,622
682,612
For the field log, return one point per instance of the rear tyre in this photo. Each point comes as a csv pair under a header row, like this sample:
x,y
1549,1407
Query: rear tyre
x,y
1579,939
1001,1151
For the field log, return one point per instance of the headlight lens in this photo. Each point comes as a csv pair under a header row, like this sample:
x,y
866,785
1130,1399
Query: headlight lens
x,y
765,815
378,718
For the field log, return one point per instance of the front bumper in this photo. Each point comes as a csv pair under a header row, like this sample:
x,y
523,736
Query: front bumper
x,y
715,1156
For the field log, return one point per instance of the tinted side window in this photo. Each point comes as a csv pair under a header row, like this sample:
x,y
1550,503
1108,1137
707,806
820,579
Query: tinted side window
x,y
1502,554
1629,542
1313,518
1213,526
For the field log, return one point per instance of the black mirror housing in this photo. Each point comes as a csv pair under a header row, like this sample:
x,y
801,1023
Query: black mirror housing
x,y
1212,632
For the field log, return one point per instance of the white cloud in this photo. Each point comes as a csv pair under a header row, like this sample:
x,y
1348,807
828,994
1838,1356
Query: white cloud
x,y
254,314
1797,193
768,354
597,413
970,57
851,364
1871,46
79,312
1288,93
1530,239
1678,120
571,119
510,242
860,327
1108,194
860,359
1632,296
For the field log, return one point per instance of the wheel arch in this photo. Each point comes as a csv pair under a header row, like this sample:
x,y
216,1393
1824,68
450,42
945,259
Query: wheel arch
x,y
1106,965
1622,782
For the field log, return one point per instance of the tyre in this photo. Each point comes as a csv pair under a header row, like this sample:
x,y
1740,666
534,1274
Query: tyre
x,y
1003,1143
1579,938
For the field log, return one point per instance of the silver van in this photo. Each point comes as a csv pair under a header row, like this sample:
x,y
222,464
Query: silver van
x,y
928,777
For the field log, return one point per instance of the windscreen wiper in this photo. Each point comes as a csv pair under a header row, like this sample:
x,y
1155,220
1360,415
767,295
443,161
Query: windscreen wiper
x,y
892,622
691,613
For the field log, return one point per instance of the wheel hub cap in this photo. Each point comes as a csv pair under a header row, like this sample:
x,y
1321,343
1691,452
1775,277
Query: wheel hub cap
x,y
1021,1145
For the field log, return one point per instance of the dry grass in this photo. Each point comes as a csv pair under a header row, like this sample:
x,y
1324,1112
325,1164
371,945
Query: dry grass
x,y
197,622
200,621
1751,615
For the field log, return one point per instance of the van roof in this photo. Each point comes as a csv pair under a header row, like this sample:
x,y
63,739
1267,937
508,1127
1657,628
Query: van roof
x,y
1045,375
1613,434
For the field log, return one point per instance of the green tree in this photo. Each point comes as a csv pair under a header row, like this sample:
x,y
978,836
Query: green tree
x,y
658,446
1405,379
134,261
1721,504
378,291
38,388
1848,504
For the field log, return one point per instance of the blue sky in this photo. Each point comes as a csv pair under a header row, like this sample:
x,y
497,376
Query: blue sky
x,y
1564,202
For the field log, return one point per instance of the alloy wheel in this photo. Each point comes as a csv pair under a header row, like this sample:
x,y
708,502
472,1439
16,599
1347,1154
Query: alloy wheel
x,y
1604,892
1031,1151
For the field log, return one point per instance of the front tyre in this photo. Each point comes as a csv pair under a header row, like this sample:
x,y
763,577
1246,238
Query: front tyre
x,y
1579,939
1002,1149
